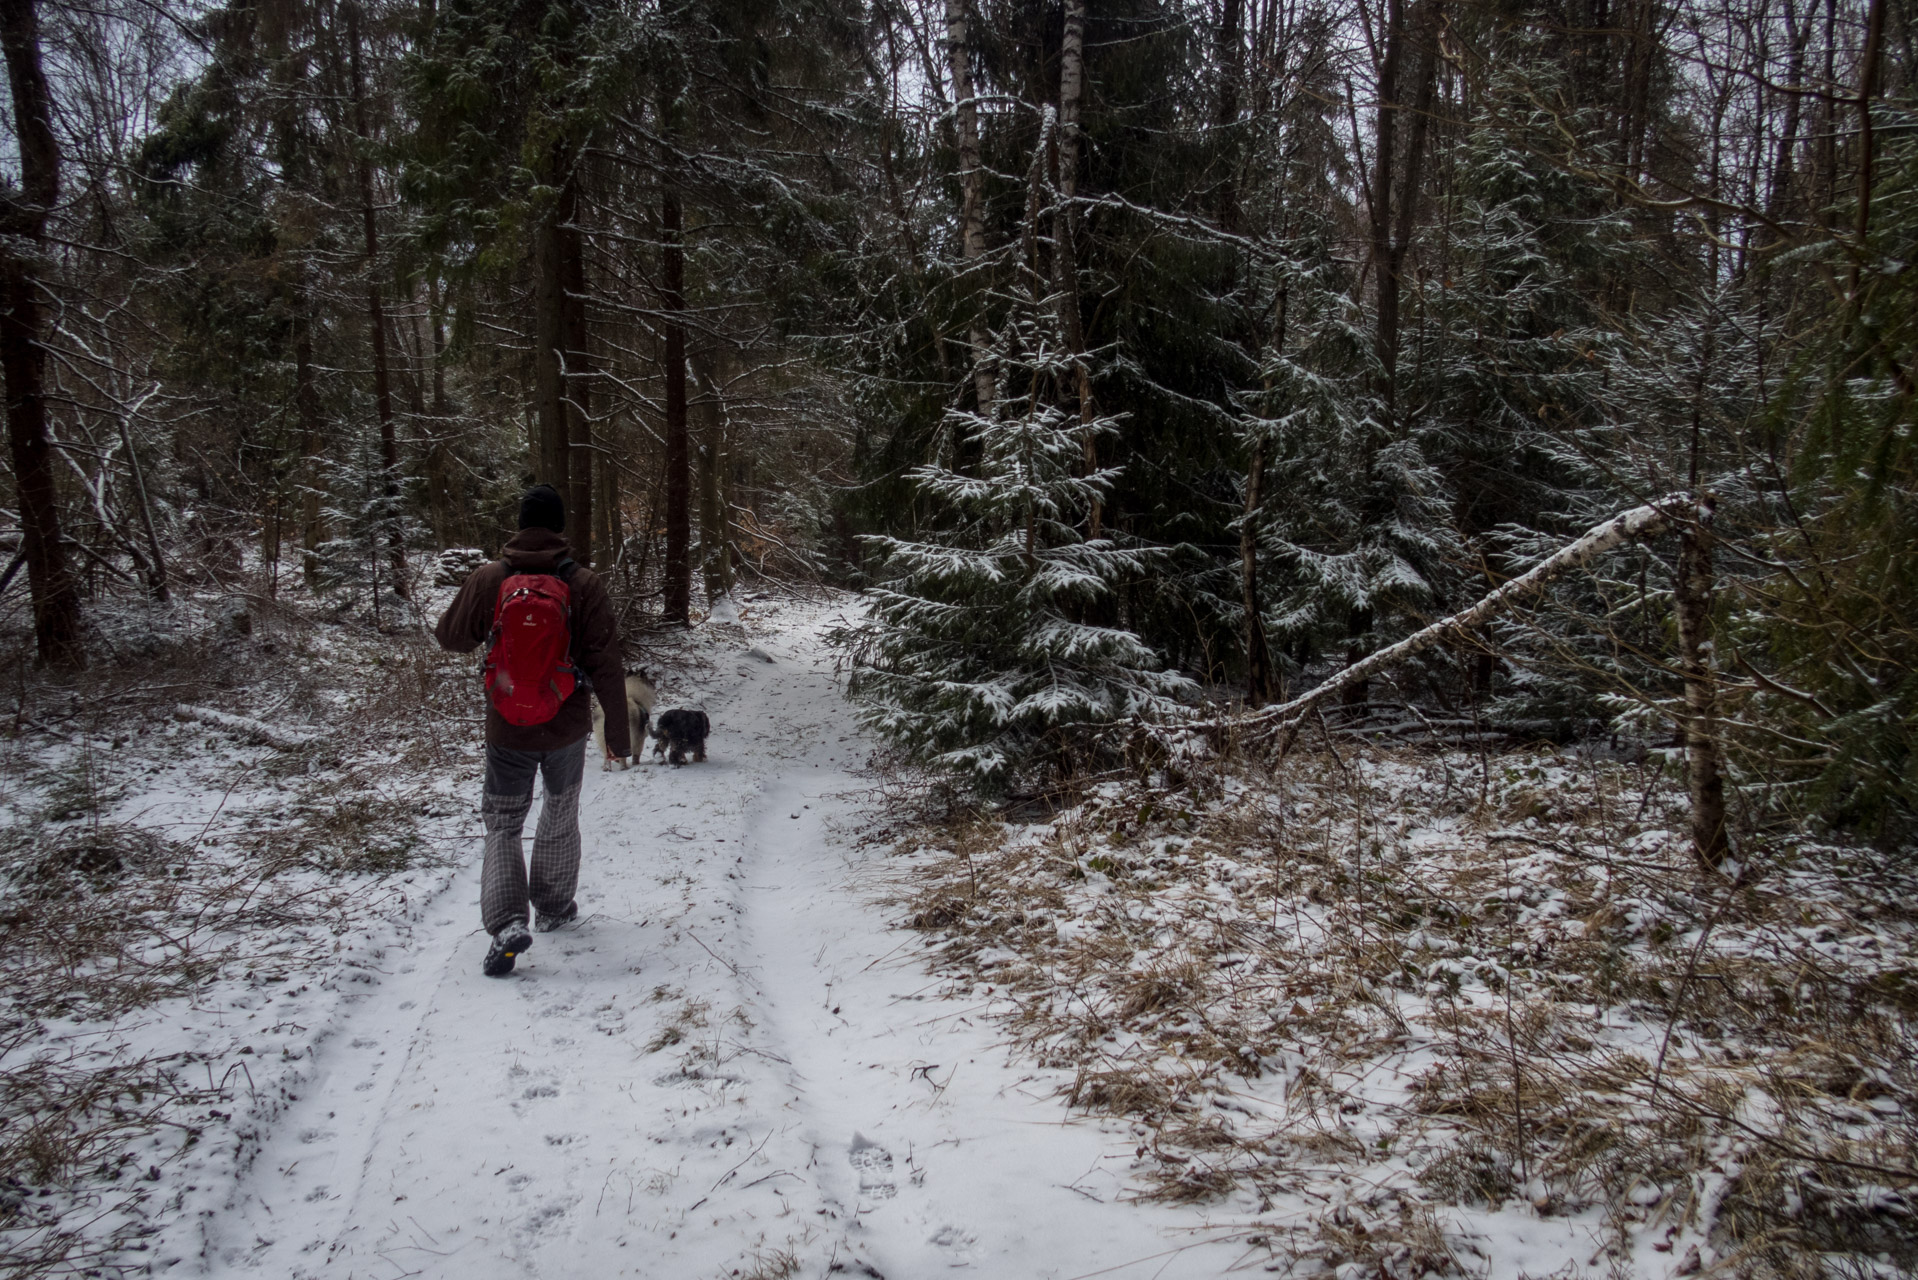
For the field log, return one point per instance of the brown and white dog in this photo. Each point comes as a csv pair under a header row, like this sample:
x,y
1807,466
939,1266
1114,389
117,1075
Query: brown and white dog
x,y
640,696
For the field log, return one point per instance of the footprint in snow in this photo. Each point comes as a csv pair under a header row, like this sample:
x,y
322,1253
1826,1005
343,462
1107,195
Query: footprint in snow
x,y
874,1166
957,1241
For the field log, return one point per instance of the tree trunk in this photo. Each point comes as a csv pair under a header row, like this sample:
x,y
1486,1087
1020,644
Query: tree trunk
x,y
1385,283
972,208
678,568
23,226
715,532
1231,55
1780,203
1826,130
579,411
551,432
1065,256
606,505
1395,194
1692,593
155,561
1641,50
448,528
1384,157
1258,654
394,539
1867,146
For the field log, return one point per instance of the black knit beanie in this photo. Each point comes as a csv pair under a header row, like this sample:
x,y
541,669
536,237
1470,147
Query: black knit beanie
x,y
542,508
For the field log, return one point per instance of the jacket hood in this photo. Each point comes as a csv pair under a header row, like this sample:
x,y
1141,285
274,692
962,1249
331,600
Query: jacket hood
x,y
534,550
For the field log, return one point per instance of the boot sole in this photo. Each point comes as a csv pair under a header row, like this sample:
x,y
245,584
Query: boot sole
x,y
500,963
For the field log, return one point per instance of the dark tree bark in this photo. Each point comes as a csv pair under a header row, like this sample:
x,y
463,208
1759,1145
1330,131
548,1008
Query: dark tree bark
x,y
1384,158
306,403
552,433
1258,653
1065,254
1231,56
1780,200
579,412
376,320
23,227
1395,192
1867,144
447,526
678,567
1640,53
1692,592
1260,687
715,532
972,215
606,505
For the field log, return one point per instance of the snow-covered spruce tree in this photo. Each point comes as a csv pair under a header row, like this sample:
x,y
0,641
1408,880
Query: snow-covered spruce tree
x,y
1837,628
1356,541
1512,367
981,654
364,512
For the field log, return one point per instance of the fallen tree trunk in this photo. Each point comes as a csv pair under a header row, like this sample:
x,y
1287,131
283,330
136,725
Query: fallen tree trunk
x,y
1640,522
245,726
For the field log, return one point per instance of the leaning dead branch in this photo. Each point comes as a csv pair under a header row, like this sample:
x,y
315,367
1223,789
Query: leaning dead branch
x,y
1640,522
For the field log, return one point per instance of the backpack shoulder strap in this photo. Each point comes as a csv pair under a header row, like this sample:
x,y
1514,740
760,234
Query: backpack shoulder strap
x,y
564,572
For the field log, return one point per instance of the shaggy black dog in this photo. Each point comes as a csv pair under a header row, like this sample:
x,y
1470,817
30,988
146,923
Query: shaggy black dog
x,y
679,731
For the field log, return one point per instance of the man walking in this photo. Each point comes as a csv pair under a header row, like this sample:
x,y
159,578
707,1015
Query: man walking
x,y
554,644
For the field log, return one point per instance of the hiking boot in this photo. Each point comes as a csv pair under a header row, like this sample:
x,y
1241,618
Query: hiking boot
x,y
565,915
507,944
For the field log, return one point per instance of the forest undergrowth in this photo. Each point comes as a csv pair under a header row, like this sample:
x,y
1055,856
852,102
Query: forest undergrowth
x,y
1414,1010
215,820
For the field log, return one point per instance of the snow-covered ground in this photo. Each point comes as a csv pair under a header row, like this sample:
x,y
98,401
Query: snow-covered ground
x,y
1233,1023
732,1065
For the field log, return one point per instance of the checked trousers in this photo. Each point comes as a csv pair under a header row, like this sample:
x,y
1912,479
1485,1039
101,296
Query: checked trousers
x,y
505,885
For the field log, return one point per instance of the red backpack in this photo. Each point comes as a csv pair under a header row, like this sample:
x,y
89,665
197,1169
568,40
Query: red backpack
x,y
529,670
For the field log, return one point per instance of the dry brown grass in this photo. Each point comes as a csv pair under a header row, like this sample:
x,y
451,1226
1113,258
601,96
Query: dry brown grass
x,y
1480,979
103,914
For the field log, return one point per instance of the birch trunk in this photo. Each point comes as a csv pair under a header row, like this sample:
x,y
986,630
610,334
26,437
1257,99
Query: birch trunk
x,y
1640,522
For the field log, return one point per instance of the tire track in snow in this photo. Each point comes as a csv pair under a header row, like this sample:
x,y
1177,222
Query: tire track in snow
x,y
729,1061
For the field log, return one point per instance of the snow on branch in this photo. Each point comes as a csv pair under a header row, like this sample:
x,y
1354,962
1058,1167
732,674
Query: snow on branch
x,y
246,727
1640,522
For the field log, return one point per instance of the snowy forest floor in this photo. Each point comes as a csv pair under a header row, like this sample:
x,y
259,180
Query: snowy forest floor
x,y
1389,1012
1416,1012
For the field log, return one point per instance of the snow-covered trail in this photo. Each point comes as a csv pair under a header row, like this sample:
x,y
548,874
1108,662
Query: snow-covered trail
x,y
730,1060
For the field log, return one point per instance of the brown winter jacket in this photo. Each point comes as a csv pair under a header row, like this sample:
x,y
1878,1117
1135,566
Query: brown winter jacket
x,y
469,622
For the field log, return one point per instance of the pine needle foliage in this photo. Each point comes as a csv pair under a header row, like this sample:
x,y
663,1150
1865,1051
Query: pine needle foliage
x,y
983,654
1839,621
